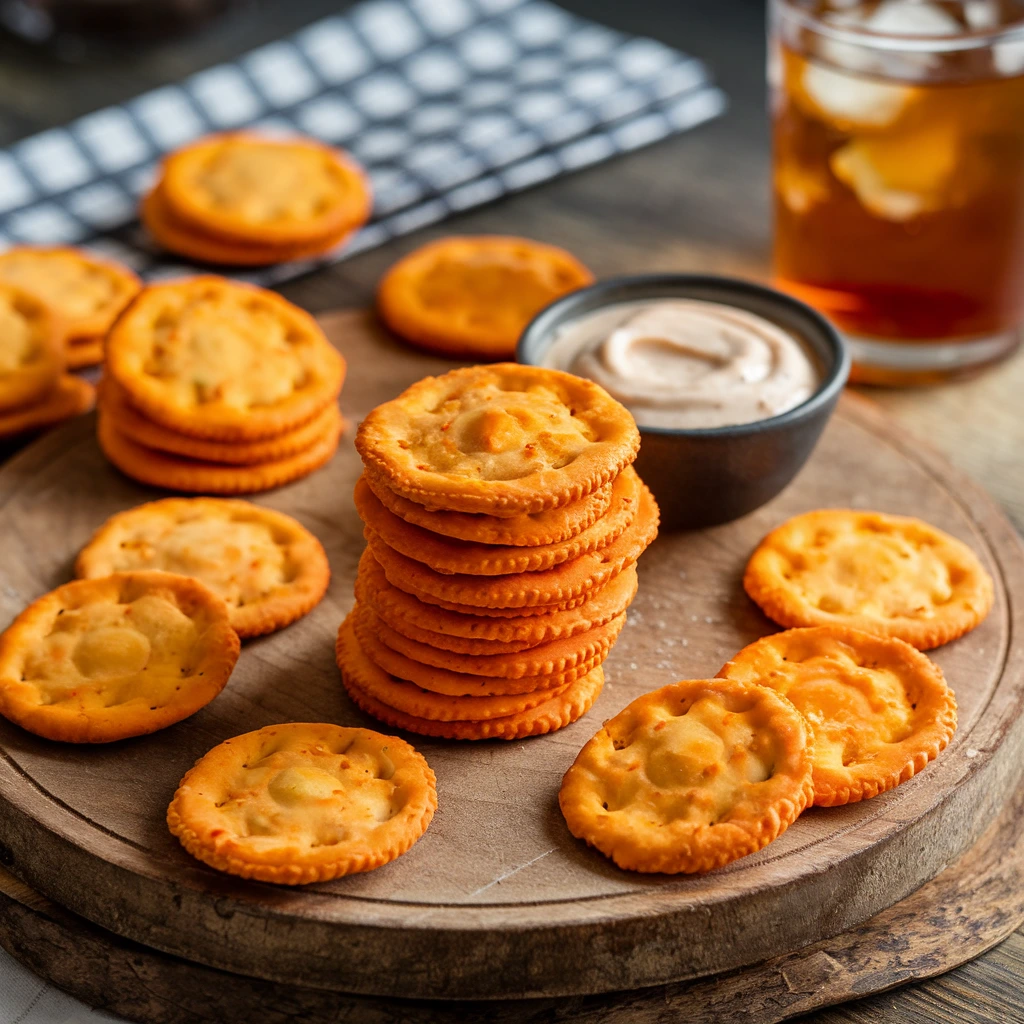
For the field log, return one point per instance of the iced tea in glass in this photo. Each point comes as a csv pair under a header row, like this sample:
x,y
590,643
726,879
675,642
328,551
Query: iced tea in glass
x,y
898,133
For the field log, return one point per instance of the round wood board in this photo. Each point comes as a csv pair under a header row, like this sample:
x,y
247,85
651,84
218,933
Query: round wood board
x,y
498,900
967,909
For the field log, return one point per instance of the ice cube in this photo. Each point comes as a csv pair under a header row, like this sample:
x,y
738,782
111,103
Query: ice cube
x,y
900,178
912,18
982,14
853,103
1008,57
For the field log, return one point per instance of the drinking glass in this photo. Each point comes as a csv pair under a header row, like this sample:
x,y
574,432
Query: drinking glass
x,y
898,139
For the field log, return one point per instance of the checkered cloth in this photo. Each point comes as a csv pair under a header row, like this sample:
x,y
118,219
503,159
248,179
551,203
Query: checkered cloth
x,y
447,103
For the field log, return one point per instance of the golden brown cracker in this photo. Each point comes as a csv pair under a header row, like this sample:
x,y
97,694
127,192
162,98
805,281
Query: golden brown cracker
x,y
884,574
504,440
880,710
105,659
160,469
446,555
304,802
690,777
470,297
267,567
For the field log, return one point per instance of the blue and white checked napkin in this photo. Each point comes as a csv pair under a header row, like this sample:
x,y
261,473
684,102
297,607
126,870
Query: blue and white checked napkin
x,y
447,103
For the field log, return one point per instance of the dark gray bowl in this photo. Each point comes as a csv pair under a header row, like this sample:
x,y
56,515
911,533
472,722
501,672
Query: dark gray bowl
x,y
705,477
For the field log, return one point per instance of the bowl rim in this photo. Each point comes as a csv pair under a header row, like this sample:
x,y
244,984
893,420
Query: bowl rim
x,y
832,382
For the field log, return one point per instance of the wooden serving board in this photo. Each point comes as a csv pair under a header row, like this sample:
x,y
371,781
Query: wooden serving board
x,y
967,909
498,901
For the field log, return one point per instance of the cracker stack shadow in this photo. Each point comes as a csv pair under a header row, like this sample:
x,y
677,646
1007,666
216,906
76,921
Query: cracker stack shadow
x,y
472,624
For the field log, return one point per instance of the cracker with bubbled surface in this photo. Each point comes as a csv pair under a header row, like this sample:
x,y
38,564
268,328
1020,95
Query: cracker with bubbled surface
x,y
124,655
880,710
267,567
890,575
503,440
690,777
304,802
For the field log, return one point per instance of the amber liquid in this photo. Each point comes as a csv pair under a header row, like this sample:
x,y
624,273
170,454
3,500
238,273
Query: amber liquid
x,y
900,213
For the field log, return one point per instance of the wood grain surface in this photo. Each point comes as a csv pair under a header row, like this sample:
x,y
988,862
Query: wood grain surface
x,y
959,914
498,880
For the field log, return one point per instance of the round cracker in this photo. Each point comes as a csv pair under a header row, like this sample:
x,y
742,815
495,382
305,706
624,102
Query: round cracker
x,y
562,583
194,244
71,397
31,349
414,700
448,682
85,291
552,526
304,802
884,574
222,361
556,713
267,567
458,556
87,352
880,709
160,469
471,297
145,432
505,440
100,660
431,624
247,188
556,656
690,777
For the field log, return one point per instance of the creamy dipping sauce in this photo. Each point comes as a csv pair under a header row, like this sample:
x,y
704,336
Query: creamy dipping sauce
x,y
686,363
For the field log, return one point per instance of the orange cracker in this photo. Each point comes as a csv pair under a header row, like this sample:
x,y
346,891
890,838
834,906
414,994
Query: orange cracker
x,y
88,352
71,397
564,582
422,703
504,440
304,802
458,556
690,777
222,361
159,469
547,659
880,709
267,567
539,610
451,683
889,575
471,297
85,291
100,660
190,242
358,672
238,453
31,349
250,189
462,633
552,526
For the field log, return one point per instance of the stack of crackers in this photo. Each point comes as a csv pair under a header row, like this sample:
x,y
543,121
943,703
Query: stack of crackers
x,y
34,390
83,292
504,522
247,200
218,387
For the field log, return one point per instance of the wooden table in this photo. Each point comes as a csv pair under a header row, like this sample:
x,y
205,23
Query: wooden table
x,y
699,202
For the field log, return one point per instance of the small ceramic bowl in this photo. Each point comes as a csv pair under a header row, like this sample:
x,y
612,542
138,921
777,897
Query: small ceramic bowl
x,y
702,477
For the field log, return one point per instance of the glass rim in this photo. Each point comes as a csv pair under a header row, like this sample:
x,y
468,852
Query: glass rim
x,y
890,41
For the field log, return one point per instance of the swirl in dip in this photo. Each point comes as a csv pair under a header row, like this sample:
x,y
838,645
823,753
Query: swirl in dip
x,y
686,363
